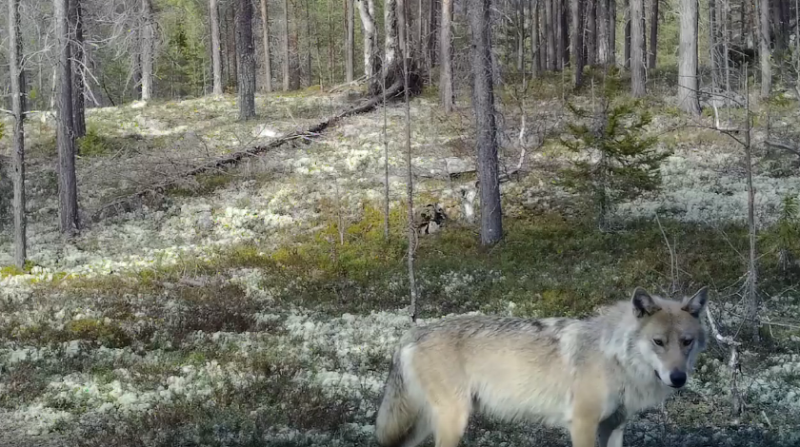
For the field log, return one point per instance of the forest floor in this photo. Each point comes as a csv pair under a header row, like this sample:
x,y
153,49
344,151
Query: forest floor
x,y
261,305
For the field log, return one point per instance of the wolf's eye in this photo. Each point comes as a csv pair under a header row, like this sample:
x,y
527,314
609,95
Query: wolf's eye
x,y
687,342
658,342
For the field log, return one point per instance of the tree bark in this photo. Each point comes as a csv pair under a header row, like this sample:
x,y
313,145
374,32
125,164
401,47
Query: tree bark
x,y
18,109
446,57
148,46
651,55
366,10
247,59
349,49
763,38
687,58
612,32
483,105
637,49
563,40
627,43
536,65
591,32
577,42
520,14
216,49
65,136
549,34
713,51
433,32
78,60
285,43
265,36
603,20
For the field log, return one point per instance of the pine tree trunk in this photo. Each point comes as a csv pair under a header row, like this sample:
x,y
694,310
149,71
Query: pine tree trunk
x,y
233,63
309,70
612,32
591,33
563,30
549,34
349,50
627,51
713,50
17,75
483,105
433,32
265,36
285,43
763,38
637,49
687,58
216,48
78,60
366,10
536,65
247,59
148,46
651,55
577,42
65,136
446,57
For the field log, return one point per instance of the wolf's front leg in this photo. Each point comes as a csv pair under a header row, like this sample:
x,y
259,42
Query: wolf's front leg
x,y
611,429
583,432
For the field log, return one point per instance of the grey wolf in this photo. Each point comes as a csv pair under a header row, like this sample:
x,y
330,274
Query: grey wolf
x,y
586,375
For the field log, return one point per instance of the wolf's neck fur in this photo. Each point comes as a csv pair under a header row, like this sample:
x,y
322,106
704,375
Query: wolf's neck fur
x,y
617,341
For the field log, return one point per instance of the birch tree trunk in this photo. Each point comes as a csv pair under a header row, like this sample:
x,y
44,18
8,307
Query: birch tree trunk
x,y
18,109
687,58
446,57
65,136
483,104
216,48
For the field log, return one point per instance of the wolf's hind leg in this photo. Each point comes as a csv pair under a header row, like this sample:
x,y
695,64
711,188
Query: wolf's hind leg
x,y
450,421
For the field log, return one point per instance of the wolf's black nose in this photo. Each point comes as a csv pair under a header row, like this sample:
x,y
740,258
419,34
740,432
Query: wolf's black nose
x,y
678,378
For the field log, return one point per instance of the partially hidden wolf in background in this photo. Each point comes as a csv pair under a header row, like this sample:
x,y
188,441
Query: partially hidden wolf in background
x,y
586,375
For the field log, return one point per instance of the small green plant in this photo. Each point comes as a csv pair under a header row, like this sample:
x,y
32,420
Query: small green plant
x,y
785,237
619,161
93,144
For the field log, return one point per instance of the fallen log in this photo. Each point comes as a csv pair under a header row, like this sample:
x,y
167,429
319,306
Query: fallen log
x,y
131,201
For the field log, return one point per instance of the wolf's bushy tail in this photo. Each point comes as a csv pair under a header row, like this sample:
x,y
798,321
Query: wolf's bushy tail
x,y
399,412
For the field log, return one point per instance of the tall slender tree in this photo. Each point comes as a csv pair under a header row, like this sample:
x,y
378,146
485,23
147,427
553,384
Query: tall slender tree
x,y
651,55
65,135
446,57
78,61
577,41
265,37
148,47
764,50
479,12
18,109
637,49
285,44
687,58
247,59
349,49
372,62
216,47
591,32
549,33
536,59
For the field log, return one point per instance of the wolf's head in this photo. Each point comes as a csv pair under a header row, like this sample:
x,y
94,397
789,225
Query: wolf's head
x,y
670,333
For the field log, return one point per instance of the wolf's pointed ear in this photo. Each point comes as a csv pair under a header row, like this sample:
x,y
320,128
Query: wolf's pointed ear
x,y
643,303
695,304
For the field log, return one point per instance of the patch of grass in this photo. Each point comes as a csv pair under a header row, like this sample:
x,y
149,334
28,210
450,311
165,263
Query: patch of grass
x,y
202,184
104,333
93,144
